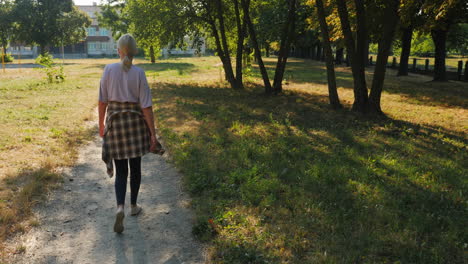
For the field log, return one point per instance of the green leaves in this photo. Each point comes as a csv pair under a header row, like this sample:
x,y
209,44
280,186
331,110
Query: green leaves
x,y
54,74
6,22
50,22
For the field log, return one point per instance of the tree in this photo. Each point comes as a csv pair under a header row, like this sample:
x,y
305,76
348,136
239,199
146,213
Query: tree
x,y
406,37
377,19
410,17
285,44
332,92
219,11
356,51
258,54
457,39
272,25
112,16
241,27
440,15
50,22
7,20
390,16
72,27
145,23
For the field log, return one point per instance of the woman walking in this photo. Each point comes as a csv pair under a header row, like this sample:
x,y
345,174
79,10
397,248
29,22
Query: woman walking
x,y
128,132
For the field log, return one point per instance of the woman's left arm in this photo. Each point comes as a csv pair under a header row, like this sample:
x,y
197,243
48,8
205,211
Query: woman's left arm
x,y
149,119
147,108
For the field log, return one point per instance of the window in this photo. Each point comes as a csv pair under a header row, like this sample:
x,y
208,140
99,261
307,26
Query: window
x,y
92,46
103,32
91,14
91,31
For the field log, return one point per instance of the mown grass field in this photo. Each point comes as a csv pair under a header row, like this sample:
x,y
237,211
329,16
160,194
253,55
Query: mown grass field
x,y
42,126
287,180
274,179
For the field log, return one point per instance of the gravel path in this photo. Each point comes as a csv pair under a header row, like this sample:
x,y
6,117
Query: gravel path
x,y
76,223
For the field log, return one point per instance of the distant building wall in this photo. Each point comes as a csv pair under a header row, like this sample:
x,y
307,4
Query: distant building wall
x,y
200,50
99,41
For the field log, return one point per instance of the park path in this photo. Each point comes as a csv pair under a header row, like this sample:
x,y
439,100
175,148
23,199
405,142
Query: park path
x,y
76,223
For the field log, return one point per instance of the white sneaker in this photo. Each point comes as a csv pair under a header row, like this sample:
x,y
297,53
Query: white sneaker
x,y
119,217
135,210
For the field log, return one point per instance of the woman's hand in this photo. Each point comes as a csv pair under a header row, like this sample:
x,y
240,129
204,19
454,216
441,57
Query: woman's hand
x,y
155,146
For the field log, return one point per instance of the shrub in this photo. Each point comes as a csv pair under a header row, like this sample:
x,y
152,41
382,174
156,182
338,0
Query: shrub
x,y
7,58
54,73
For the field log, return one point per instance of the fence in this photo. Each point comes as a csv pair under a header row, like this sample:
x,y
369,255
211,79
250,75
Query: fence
x,y
460,73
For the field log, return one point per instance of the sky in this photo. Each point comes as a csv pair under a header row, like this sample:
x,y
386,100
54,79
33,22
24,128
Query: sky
x,y
86,2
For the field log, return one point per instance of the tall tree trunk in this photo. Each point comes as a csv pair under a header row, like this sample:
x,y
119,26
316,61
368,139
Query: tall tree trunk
x,y
43,48
227,57
258,54
366,53
339,56
219,50
153,59
385,44
355,53
267,49
286,40
332,92
362,48
241,28
405,51
318,51
439,37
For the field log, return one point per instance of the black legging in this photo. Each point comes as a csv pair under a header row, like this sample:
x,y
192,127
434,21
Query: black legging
x,y
121,174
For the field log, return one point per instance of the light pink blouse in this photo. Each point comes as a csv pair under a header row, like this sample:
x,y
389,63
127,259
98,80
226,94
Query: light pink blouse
x,y
121,86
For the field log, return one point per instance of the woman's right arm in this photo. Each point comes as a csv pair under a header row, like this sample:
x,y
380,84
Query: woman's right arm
x,y
102,105
102,113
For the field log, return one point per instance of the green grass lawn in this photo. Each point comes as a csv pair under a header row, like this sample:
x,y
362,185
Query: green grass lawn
x,y
287,180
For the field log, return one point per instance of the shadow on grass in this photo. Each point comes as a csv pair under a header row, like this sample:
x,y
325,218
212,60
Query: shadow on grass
x,y
180,67
288,180
417,88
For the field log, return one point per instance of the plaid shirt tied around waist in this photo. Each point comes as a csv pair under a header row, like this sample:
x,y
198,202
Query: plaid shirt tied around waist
x,y
126,134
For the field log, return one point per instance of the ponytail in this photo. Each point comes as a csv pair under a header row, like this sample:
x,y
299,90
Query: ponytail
x,y
127,45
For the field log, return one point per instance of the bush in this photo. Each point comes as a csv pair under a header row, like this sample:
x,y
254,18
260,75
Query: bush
x,y
8,58
54,73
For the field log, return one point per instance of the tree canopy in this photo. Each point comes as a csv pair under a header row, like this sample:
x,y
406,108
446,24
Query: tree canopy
x,y
7,21
50,22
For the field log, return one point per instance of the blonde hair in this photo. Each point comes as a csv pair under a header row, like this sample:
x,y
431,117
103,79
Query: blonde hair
x,y
127,45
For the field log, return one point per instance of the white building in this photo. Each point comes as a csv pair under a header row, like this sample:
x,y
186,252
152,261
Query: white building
x,y
99,41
